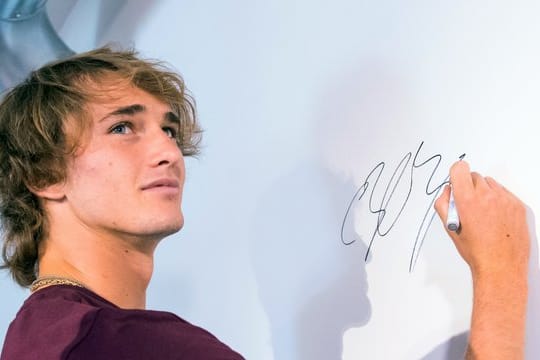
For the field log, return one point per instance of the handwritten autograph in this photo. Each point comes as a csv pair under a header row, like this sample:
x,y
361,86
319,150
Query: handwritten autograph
x,y
381,208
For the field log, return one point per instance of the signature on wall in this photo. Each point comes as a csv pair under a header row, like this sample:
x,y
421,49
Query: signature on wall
x,y
388,207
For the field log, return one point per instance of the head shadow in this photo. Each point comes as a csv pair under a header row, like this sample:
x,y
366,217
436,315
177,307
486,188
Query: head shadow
x,y
312,287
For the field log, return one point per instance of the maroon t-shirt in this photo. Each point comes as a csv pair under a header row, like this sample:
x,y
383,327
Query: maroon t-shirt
x,y
68,322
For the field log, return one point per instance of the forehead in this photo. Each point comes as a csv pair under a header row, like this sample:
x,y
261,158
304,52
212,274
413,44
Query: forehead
x,y
106,97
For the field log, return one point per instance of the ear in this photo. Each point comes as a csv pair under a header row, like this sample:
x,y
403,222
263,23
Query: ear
x,y
54,192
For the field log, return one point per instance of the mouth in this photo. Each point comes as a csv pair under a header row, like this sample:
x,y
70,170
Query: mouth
x,y
166,184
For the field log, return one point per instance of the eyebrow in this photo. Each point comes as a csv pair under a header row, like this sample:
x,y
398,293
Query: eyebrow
x,y
138,108
172,118
128,110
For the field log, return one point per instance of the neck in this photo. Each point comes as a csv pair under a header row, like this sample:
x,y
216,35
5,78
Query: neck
x,y
112,268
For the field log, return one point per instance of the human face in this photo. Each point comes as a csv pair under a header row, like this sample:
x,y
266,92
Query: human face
x,y
127,179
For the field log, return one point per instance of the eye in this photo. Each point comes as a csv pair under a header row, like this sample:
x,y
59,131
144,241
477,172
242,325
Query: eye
x,y
121,128
171,132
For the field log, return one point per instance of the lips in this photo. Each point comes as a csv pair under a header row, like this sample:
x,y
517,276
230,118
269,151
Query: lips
x,y
165,183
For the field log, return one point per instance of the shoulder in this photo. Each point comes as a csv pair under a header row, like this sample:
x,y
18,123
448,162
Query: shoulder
x,y
62,312
145,334
73,323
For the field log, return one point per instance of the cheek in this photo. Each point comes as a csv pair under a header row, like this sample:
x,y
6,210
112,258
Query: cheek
x,y
94,176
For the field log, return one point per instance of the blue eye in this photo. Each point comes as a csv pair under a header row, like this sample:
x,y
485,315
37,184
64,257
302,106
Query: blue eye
x,y
123,128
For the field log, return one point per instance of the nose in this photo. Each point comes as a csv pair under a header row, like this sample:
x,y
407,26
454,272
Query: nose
x,y
163,149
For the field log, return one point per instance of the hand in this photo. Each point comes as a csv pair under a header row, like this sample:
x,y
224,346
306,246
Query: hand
x,y
493,237
494,240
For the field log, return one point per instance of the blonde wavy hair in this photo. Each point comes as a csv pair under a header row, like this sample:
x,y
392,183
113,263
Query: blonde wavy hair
x,y
34,147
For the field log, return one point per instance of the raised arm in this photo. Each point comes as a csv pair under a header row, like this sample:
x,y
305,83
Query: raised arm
x,y
494,241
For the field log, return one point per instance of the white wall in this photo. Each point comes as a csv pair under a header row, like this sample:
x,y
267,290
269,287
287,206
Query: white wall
x,y
300,101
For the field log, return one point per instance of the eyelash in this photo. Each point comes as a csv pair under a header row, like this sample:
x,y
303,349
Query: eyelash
x,y
126,124
173,131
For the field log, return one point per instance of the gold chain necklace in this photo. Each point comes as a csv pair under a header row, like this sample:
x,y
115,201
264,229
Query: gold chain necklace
x,y
45,281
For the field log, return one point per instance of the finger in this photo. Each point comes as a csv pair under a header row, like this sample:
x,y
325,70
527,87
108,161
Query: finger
x,y
441,204
492,183
460,177
496,186
479,181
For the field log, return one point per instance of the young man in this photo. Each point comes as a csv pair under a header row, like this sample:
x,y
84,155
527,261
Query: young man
x,y
91,176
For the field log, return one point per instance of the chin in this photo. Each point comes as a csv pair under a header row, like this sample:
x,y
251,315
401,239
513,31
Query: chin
x,y
159,225
170,227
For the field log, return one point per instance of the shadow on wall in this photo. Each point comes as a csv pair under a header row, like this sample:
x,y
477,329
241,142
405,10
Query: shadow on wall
x,y
312,287
451,349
